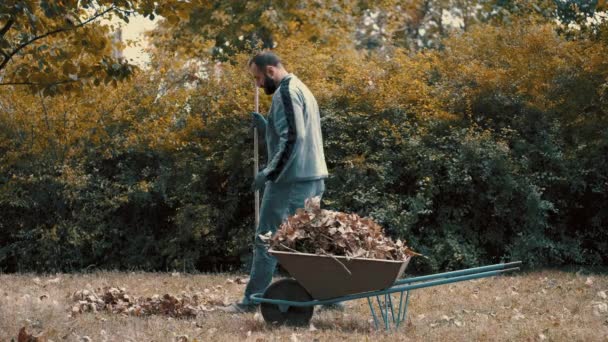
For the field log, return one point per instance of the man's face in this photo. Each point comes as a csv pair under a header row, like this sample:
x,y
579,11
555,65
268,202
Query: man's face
x,y
263,79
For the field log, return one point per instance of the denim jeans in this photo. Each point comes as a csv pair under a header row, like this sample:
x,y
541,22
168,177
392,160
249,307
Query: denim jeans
x,y
279,201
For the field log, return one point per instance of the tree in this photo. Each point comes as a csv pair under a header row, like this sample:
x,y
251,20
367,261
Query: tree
x,y
56,46
567,10
427,22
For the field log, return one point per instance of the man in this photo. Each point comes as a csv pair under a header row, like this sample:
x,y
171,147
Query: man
x,y
296,163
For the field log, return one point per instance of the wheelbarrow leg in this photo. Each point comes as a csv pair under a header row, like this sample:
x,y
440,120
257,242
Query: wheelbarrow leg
x,y
407,299
386,322
371,308
389,296
380,307
383,307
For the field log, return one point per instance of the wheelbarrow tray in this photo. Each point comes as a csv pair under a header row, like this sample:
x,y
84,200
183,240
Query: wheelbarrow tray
x,y
326,277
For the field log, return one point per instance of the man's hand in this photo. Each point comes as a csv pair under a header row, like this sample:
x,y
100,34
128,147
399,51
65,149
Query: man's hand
x,y
258,121
259,181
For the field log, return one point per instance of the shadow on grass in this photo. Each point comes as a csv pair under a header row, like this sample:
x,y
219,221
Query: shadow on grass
x,y
323,322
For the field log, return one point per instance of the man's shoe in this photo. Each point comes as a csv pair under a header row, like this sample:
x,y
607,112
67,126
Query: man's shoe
x,y
239,308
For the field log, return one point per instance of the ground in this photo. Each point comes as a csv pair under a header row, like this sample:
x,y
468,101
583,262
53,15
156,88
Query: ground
x,y
539,305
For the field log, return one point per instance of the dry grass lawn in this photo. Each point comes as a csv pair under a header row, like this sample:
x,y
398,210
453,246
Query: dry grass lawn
x,y
544,305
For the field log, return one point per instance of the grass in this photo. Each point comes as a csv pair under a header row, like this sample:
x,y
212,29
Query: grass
x,y
547,305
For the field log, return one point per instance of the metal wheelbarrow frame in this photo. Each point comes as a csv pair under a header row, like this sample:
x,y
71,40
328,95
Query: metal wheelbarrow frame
x,y
292,301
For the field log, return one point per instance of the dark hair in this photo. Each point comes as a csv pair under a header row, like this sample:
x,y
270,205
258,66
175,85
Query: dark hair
x,y
264,59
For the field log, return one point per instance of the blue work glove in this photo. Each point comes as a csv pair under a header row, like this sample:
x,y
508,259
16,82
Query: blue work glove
x,y
259,181
258,121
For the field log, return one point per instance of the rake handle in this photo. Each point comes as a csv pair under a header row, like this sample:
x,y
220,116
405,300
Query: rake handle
x,y
255,159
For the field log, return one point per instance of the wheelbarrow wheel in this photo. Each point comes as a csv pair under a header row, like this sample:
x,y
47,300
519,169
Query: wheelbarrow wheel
x,y
289,290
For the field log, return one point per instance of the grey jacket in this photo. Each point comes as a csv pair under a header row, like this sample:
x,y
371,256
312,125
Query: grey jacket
x,y
293,135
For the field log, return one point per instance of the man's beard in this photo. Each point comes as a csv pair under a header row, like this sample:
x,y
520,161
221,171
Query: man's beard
x,y
269,85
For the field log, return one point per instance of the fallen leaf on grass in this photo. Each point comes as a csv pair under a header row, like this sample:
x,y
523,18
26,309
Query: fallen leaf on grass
x,y
181,338
116,300
517,316
24,336
56,280
241,281
599,308
447,320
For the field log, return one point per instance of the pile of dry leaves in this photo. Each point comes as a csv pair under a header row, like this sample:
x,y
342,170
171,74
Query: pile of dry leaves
x,y
318,231
117,300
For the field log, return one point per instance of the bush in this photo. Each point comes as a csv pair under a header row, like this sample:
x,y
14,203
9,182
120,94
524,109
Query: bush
x,y
485,151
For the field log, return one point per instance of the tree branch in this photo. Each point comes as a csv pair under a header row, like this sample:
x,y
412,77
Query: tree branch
x,y
37,83
17,83
63,29
7,27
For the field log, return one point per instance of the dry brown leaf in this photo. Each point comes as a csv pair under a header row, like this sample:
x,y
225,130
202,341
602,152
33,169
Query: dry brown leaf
x,y
116,300
315,230
24,336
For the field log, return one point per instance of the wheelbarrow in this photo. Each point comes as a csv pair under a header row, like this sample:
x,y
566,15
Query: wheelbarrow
x,y
326,280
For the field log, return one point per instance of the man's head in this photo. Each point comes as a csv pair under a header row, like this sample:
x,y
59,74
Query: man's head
x,y
267,70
